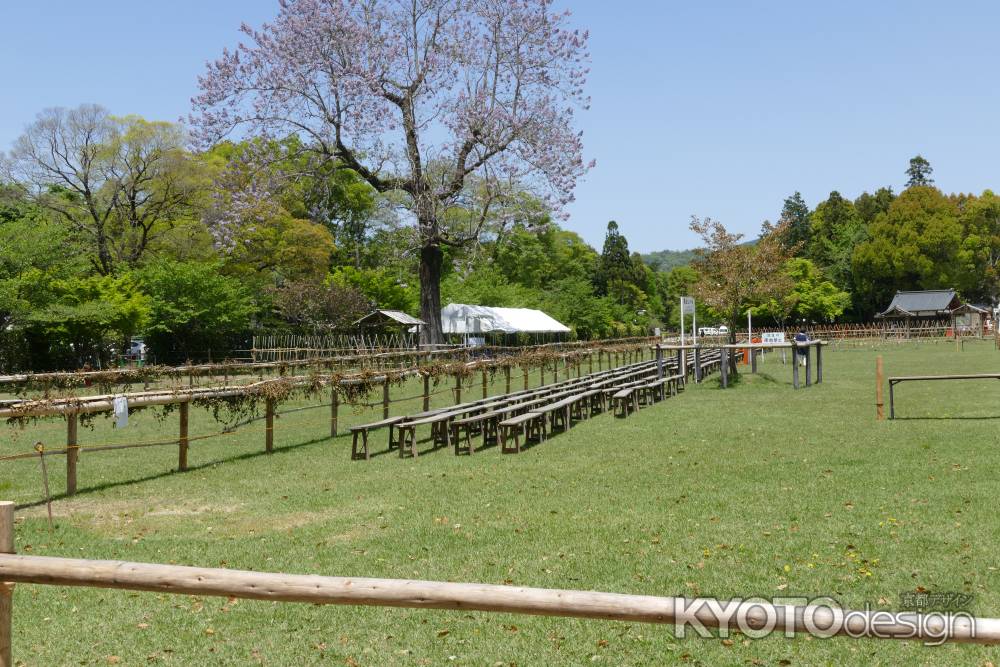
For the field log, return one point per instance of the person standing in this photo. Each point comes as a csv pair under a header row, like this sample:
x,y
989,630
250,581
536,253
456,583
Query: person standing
x,y
801,337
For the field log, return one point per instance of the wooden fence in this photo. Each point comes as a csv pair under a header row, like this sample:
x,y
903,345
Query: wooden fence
x,y
315,589
340,391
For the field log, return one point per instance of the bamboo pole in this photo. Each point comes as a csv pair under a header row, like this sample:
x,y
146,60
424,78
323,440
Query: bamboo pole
x,y
879,381
182,441
314,589
72,453
6,588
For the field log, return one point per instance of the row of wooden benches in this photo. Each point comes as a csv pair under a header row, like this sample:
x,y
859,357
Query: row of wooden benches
x,y
530,414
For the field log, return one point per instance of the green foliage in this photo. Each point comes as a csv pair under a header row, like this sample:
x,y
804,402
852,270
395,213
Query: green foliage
x,y
665,261
87,319
382,286
835,230
812,298
195,308
795,214
917,244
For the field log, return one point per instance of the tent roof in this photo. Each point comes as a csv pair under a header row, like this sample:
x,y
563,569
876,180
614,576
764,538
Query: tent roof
x,y
928,303
388,316
460,318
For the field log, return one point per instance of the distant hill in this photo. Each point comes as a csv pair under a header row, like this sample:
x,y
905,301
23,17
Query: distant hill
x,y
665,260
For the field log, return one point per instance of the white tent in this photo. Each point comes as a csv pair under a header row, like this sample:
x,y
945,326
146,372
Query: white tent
x,y
460,318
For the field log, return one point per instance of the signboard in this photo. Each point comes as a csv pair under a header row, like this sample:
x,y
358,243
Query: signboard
x,y
773,337
687,305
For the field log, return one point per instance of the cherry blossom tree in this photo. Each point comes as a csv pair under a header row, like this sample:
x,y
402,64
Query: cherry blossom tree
x,y
435,101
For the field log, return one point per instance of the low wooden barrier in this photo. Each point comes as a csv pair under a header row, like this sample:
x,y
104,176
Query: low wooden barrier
x,y
893,381
315,589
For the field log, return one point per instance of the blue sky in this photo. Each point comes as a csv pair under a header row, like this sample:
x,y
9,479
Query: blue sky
x,y
717,109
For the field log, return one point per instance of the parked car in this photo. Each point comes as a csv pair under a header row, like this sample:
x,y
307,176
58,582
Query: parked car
x,y
723,330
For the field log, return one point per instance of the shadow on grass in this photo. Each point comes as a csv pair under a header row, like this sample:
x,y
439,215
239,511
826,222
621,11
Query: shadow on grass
x,y
173,471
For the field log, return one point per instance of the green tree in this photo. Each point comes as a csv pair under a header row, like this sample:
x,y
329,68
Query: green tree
x,y
812,298
194,308
118,182
615,268
915,245
85,320
919,172
835,230
795,216
869,206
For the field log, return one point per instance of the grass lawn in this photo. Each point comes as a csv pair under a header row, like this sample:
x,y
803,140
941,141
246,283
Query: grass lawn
x,y
755,490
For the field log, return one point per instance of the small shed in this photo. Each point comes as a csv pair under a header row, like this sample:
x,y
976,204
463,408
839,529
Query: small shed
x,y
932,305
391,323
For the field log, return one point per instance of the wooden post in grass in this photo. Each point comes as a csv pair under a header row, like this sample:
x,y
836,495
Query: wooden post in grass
x,y
879,381
334,406
485,391
808,365
385,398
6,589
541,370
819,363
458,389
659,362
506,378
524,369
600,362
72,453
697,364
795,366
427,393
590,363
269,426
182,439
724,367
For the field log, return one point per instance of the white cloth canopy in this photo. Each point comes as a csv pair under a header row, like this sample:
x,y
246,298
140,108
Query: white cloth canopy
x,y
460,318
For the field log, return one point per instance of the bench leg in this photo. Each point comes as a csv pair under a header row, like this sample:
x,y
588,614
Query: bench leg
x,y
354,446
365,439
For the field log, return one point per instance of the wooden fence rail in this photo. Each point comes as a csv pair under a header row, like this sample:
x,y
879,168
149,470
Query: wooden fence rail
x,y
315,589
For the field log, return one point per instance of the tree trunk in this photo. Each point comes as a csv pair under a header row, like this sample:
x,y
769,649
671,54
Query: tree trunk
x,y
431,259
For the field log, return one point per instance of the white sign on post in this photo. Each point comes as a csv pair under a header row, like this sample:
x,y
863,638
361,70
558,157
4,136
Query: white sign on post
x,y
687,305
773,337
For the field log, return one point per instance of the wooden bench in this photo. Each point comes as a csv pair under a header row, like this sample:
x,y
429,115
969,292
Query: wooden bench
x,y
439,431
530,424
484,422
626,400
362,431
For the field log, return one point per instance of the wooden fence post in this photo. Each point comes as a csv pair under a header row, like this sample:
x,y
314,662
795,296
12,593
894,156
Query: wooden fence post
x,y
334,406
506,375
795,366
819,363
269,426
385,398
724,367
485,390
808,365
659,362
182,439
6,589
524,369
879,381
697,364
590,363
541,379
458,389
427,393
72,453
